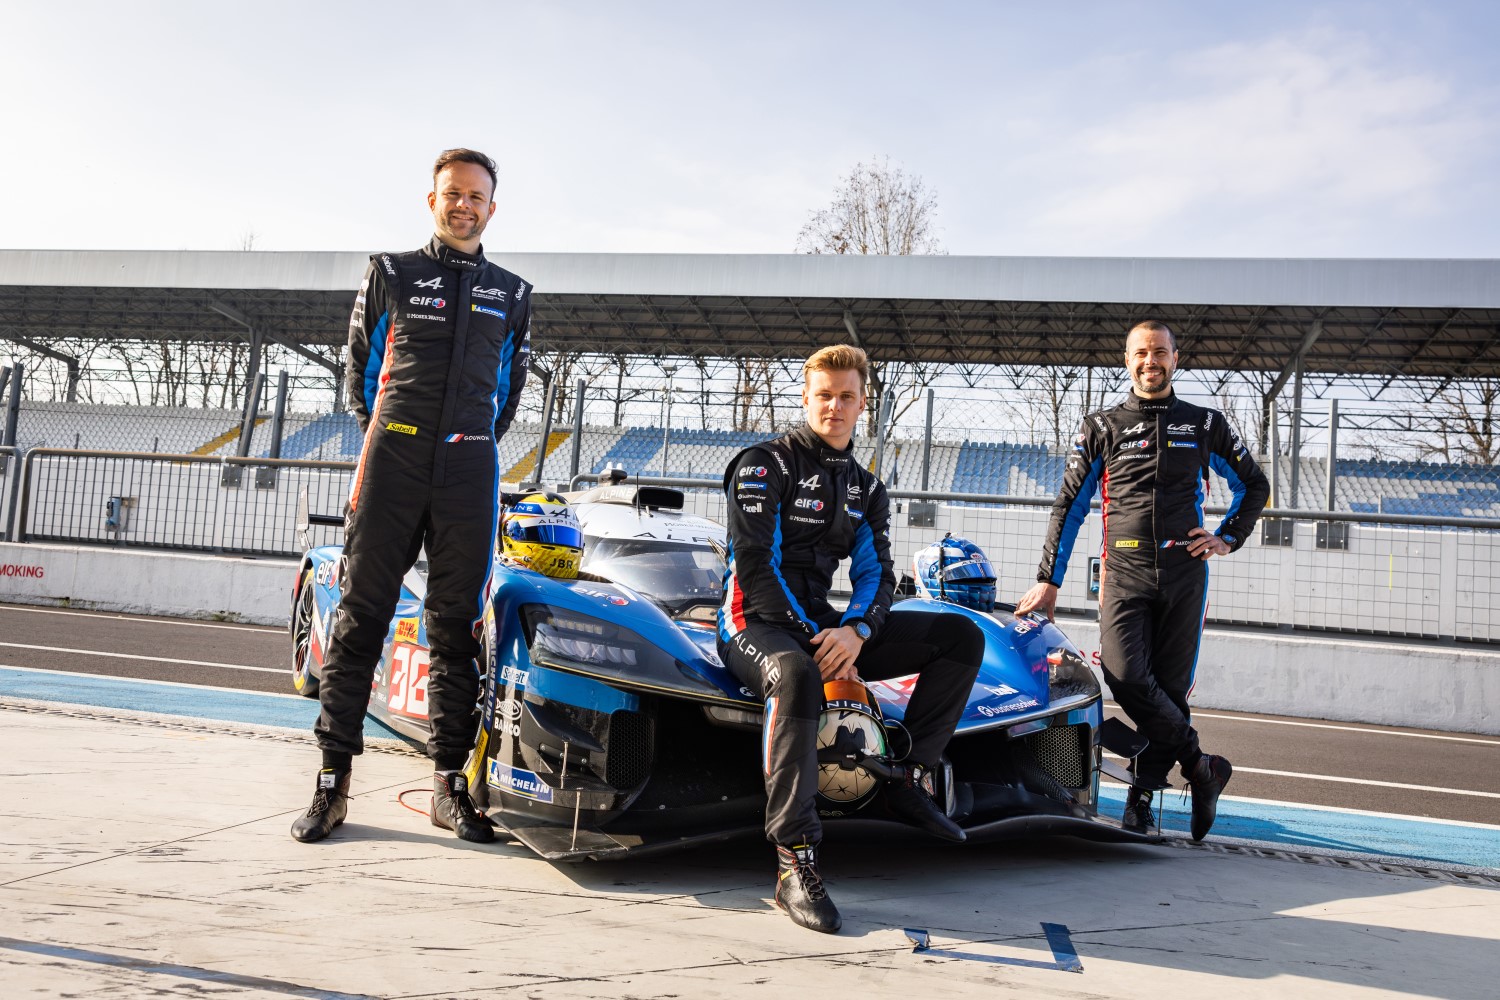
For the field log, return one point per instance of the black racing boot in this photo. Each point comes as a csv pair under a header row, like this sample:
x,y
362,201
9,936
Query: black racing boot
x,y
1137,817
330,805
1207,779
800,892
909,799
452,809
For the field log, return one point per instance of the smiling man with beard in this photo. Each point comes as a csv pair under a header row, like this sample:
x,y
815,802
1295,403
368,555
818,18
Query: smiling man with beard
x,y
1151,455
438,348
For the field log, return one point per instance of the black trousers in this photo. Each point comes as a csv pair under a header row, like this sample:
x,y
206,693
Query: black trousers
x,y
400,504
1150,627
945,650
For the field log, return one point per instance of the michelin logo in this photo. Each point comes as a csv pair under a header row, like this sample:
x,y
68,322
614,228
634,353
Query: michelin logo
x,y
523,783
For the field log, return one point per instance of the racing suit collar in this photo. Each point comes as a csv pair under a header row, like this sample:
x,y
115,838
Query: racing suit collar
x,y
456,259
809,439
1134,402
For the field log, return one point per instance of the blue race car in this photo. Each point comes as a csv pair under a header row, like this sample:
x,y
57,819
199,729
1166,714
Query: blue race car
x,y
610,726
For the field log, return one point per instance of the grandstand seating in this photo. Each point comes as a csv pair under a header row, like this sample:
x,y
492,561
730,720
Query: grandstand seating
x,y
1007,469
996,468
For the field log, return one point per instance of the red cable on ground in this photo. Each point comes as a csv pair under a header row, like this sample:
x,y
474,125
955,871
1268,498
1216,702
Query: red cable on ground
x,y
401,798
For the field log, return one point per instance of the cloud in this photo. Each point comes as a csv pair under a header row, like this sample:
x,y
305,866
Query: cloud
x,y
1313,129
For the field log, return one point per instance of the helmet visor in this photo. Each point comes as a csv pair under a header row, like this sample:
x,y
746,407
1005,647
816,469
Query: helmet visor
x,y
969,570
546,534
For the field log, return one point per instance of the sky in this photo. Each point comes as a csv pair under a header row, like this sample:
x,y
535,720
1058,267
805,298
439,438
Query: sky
x,y
1274,129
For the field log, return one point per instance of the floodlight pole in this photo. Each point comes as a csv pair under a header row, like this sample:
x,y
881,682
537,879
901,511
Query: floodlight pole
x,y
578,389
666,421
1273,453
1333,449
278,417
541,448
927,440
1291,499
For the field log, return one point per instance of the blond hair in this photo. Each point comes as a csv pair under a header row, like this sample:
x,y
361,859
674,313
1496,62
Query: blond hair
x,y
838,358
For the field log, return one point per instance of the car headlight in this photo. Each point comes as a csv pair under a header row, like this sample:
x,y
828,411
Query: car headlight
x,y
1067,675
578,643
559,638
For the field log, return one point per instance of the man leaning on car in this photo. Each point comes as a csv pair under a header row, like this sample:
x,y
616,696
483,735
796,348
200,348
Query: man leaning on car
x,y
1151,453
438,344
799,505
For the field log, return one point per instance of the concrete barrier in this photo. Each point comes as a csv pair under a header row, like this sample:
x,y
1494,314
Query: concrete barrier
x,y
1421,685
225,588
1429,686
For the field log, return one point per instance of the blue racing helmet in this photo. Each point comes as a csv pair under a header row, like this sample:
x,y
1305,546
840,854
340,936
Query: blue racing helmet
x,y
957,570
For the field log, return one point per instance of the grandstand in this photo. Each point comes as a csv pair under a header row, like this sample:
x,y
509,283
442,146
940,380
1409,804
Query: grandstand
x,y
996,468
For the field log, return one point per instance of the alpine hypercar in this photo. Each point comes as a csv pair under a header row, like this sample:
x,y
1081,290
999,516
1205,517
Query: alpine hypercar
x,y
610,727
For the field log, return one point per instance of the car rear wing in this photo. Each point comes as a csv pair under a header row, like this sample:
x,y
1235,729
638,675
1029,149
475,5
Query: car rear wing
x,y
306,520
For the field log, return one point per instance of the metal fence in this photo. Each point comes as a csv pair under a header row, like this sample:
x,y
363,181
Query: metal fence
x,y
1358,572
1379,575
185,502
9,482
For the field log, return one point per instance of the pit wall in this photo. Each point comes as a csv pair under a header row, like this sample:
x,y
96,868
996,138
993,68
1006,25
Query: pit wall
x,y
1429,686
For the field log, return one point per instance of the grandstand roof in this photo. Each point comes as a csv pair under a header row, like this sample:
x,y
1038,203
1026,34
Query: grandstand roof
x,y
1384,317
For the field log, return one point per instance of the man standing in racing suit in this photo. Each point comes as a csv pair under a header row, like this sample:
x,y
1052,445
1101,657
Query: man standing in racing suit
x,y
438,345
798,505
1151,455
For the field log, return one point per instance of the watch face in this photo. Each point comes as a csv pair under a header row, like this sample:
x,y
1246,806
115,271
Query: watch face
x,y
862,630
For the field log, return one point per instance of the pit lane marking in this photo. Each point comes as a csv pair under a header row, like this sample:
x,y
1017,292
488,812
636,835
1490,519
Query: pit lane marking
x,y
150,659
108,617
1348,729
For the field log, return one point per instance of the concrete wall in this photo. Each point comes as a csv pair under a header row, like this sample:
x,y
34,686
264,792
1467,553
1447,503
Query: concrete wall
x,y
1423,686
1429,686
176,584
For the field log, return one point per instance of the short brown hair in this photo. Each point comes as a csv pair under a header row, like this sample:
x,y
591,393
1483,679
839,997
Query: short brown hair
x,y
1155,326
448,157
838,358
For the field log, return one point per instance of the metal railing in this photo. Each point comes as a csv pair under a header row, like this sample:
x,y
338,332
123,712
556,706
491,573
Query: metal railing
x,y
1378,574
221,504
10,479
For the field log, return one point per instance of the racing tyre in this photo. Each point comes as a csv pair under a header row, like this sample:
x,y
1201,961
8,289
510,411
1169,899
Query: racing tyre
x,y
303,680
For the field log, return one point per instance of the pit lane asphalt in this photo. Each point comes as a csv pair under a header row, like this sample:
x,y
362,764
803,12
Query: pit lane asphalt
x,y
255,658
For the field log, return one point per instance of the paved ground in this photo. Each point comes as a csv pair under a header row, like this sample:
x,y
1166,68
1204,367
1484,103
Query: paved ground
x,y
149,857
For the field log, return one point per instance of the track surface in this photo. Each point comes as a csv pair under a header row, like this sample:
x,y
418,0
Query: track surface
x,y
1331,761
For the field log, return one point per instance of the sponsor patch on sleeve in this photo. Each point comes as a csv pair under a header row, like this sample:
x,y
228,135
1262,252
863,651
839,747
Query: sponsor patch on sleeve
x,y
400,428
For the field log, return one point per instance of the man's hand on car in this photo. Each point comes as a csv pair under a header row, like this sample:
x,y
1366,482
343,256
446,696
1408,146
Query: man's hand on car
x,y
837,649
1042,597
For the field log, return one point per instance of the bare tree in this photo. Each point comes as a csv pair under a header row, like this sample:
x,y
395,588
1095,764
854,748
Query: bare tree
x,y
1468,418
877,209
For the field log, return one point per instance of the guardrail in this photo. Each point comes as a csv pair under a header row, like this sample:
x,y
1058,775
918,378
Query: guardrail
x,y
10,479
203,503
1380,574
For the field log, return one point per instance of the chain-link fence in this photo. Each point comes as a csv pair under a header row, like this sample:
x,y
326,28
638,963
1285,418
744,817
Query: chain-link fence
x,y
1400,579
184,502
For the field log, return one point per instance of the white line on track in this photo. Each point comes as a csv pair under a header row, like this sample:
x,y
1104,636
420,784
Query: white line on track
x,y
109,617
1241,769
1347,729
1371,781
151,659
152,680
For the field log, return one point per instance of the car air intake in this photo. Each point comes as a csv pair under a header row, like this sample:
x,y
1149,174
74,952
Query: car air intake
x,y
628,764
1062,752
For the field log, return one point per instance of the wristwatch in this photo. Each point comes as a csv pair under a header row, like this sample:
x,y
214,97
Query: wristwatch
x,y
861,628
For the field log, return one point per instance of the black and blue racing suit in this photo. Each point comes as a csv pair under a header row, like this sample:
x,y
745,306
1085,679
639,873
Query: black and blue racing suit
x,y
438,351
797,508
1151,459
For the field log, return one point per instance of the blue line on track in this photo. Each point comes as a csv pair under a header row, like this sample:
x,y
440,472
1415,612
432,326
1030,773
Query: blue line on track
x,y
1332,829
168,698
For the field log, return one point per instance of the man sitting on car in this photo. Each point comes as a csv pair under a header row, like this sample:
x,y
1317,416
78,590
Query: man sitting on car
x,y
798,506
